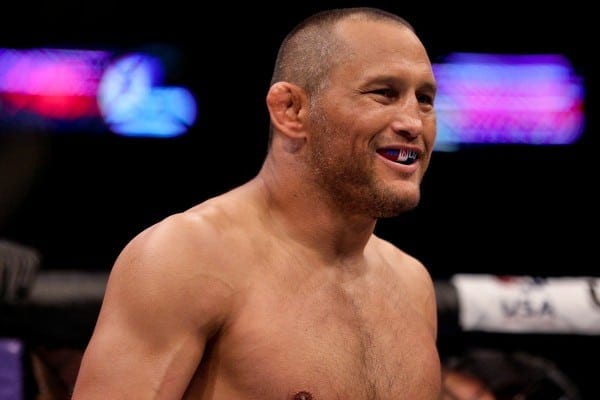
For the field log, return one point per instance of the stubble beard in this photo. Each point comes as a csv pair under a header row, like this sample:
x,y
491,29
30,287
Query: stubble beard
x,y
349,180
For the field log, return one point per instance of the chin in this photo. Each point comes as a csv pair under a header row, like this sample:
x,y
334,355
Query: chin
x,y
396,205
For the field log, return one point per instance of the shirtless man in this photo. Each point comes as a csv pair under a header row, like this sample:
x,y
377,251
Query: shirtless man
x,y
279,289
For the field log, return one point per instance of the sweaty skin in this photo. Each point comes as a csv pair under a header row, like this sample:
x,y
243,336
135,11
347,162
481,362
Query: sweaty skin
x,y
279,289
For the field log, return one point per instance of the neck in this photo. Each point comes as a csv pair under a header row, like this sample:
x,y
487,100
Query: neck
x,y
300,211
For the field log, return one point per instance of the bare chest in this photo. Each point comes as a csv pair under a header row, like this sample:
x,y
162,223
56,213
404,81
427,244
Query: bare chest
x,y
367,341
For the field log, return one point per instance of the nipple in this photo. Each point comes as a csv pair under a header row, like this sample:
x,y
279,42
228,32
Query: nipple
x,y
303,396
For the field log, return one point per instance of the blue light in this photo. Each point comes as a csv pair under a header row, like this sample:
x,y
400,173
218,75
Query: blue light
x,y
133,104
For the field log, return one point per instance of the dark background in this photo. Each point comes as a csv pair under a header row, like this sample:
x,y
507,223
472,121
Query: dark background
x,y
503,209
489,209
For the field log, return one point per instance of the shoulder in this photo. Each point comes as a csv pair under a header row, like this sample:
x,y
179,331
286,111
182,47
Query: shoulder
x,y
402,261
187,241
165,266
413,275
174,244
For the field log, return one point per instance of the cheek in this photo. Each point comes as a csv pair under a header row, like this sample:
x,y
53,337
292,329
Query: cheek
x,y
346,129
430,132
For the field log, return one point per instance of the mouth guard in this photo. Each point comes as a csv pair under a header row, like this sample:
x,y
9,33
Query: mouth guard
x,y
405,157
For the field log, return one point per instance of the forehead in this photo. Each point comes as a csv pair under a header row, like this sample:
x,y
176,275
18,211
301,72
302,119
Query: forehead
x,y
381,44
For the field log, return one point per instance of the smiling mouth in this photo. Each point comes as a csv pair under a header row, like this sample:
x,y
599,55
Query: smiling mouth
x,y
400,156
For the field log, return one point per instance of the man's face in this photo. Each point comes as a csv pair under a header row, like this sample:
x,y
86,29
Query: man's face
x,y
373,126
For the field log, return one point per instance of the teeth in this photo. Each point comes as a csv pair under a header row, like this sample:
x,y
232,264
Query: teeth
x,y
401,156
406,156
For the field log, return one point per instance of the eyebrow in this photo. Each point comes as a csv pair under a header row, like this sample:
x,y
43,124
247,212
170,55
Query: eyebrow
x,y
388,78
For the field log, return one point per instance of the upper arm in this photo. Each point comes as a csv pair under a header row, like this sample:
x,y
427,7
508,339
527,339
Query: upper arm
x,y
163,301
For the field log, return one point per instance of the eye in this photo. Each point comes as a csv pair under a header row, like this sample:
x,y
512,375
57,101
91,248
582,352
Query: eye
x,y
425,99
385,92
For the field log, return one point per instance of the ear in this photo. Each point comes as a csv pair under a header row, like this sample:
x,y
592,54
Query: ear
x,y
287,104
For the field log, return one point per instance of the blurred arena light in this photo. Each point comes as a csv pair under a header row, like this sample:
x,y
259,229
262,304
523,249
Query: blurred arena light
x,y
53,90
482,98
49,83
508,99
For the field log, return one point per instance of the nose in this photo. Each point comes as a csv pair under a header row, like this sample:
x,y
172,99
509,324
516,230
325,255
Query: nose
x,y
407,120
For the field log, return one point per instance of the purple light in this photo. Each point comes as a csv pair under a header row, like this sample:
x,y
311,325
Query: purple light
x,y
528,99
52,83
66,89
51,71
